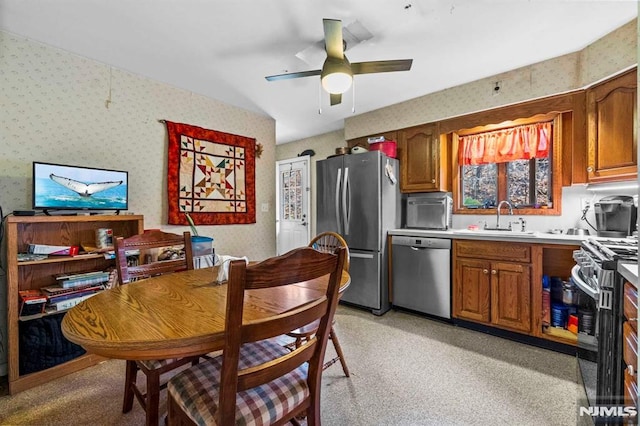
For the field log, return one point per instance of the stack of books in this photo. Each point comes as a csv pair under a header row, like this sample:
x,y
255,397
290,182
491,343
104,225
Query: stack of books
x,y
82,279
31,302
72,289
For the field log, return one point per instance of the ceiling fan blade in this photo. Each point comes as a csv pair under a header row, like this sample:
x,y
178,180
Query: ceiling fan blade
x,y
293,75
381,66
333,38
335,98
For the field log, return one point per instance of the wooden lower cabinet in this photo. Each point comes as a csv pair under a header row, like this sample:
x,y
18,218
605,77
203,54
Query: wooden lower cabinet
x,y
511,295
496,293
472,290
499,284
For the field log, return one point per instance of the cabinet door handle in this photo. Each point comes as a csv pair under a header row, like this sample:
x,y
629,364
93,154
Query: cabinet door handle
x,y
485,271
630,370
589,169
433,181
493,272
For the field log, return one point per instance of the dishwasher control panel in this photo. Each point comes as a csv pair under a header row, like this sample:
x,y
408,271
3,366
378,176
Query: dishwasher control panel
x,y
437,243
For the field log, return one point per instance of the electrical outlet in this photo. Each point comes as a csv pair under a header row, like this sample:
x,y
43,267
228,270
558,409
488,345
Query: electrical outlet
x,y
585,204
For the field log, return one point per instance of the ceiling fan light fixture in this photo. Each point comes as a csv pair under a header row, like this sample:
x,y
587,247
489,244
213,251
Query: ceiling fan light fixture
x,y
336,75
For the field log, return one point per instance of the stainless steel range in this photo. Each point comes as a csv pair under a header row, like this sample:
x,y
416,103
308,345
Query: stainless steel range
x,y
596,277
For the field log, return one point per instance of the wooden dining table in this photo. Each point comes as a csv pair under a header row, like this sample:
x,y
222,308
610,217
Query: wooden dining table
x,y
174,315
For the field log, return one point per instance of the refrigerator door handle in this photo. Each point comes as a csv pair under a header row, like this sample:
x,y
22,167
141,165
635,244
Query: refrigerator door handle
x,y
338,182
346,207
361,255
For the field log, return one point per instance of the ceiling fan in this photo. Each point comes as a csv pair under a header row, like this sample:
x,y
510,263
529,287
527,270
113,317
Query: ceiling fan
x,y
337,72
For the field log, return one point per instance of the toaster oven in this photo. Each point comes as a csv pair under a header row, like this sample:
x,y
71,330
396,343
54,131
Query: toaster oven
x,y
429,211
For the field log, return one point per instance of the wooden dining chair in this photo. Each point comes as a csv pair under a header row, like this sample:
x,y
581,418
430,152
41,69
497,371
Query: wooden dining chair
x,y
325,242
256,380
158,254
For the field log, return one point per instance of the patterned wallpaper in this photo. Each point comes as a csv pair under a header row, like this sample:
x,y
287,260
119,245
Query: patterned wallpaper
x,y
62,108
609,55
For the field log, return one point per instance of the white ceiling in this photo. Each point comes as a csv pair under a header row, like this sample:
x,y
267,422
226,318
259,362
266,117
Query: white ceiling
x,y
224,49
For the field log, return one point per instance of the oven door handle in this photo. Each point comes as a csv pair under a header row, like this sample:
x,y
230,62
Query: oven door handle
x,y
575,276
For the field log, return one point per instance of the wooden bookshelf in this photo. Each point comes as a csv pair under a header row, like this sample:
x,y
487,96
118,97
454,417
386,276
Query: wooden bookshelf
x,y
59,231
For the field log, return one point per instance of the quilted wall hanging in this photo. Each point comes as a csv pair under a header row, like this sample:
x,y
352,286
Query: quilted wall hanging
x,y
211,176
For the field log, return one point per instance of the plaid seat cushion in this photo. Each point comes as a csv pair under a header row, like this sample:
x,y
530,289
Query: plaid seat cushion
x,y
196,389
154,364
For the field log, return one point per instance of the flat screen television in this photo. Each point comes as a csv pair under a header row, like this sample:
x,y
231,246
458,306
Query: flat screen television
x,y
65,187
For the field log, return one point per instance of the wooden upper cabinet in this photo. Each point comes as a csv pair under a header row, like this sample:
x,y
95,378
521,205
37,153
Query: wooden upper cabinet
x,y
611,129
424,159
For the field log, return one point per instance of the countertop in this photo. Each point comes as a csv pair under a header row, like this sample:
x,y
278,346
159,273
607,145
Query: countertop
x,y
516,237
629,271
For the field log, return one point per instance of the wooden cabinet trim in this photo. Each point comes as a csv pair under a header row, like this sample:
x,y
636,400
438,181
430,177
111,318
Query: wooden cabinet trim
x,y
516,252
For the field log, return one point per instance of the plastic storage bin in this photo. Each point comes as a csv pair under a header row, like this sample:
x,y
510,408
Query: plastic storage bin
x,y
201,246
388,147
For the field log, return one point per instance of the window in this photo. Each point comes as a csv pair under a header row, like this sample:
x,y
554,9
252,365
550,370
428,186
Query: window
x,y
292,194
514,162
527,184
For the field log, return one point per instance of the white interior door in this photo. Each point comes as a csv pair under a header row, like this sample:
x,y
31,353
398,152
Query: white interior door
x,y
292,204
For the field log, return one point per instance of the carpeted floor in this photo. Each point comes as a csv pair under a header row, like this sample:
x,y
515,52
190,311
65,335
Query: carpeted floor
x,y
405,370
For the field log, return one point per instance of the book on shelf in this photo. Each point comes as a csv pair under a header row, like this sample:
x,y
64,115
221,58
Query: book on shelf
x,y
82,279
78,275
29,257
31,302
68,303
53,300
32,296
53,290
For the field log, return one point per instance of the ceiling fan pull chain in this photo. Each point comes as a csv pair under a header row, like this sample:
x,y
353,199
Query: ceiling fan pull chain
x,y
320,99
353,97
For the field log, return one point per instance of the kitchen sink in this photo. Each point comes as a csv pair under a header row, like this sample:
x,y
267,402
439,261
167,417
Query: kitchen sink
x,y
496,233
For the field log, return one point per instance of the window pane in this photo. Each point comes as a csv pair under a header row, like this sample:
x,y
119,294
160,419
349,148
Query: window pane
x,y
292,194
543,182
518,191
479,185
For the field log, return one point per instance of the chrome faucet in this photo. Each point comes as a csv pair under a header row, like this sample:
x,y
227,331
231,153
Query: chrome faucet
x,y
498,211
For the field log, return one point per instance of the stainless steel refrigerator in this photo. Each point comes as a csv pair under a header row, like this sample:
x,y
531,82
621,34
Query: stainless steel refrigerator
x,y
358,196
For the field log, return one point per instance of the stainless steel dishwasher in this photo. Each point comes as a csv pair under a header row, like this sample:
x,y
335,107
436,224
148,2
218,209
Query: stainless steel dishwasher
x,y
422,274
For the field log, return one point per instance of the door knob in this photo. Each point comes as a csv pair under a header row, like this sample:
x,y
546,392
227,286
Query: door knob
x,y
485,271
493,272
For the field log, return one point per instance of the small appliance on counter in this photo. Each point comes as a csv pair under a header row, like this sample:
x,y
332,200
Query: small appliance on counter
x,y
433,210
616,216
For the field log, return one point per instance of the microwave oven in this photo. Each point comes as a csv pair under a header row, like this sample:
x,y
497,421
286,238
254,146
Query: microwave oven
x,y
432,210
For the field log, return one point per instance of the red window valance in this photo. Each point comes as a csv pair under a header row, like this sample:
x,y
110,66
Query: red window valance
x,y
514,143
